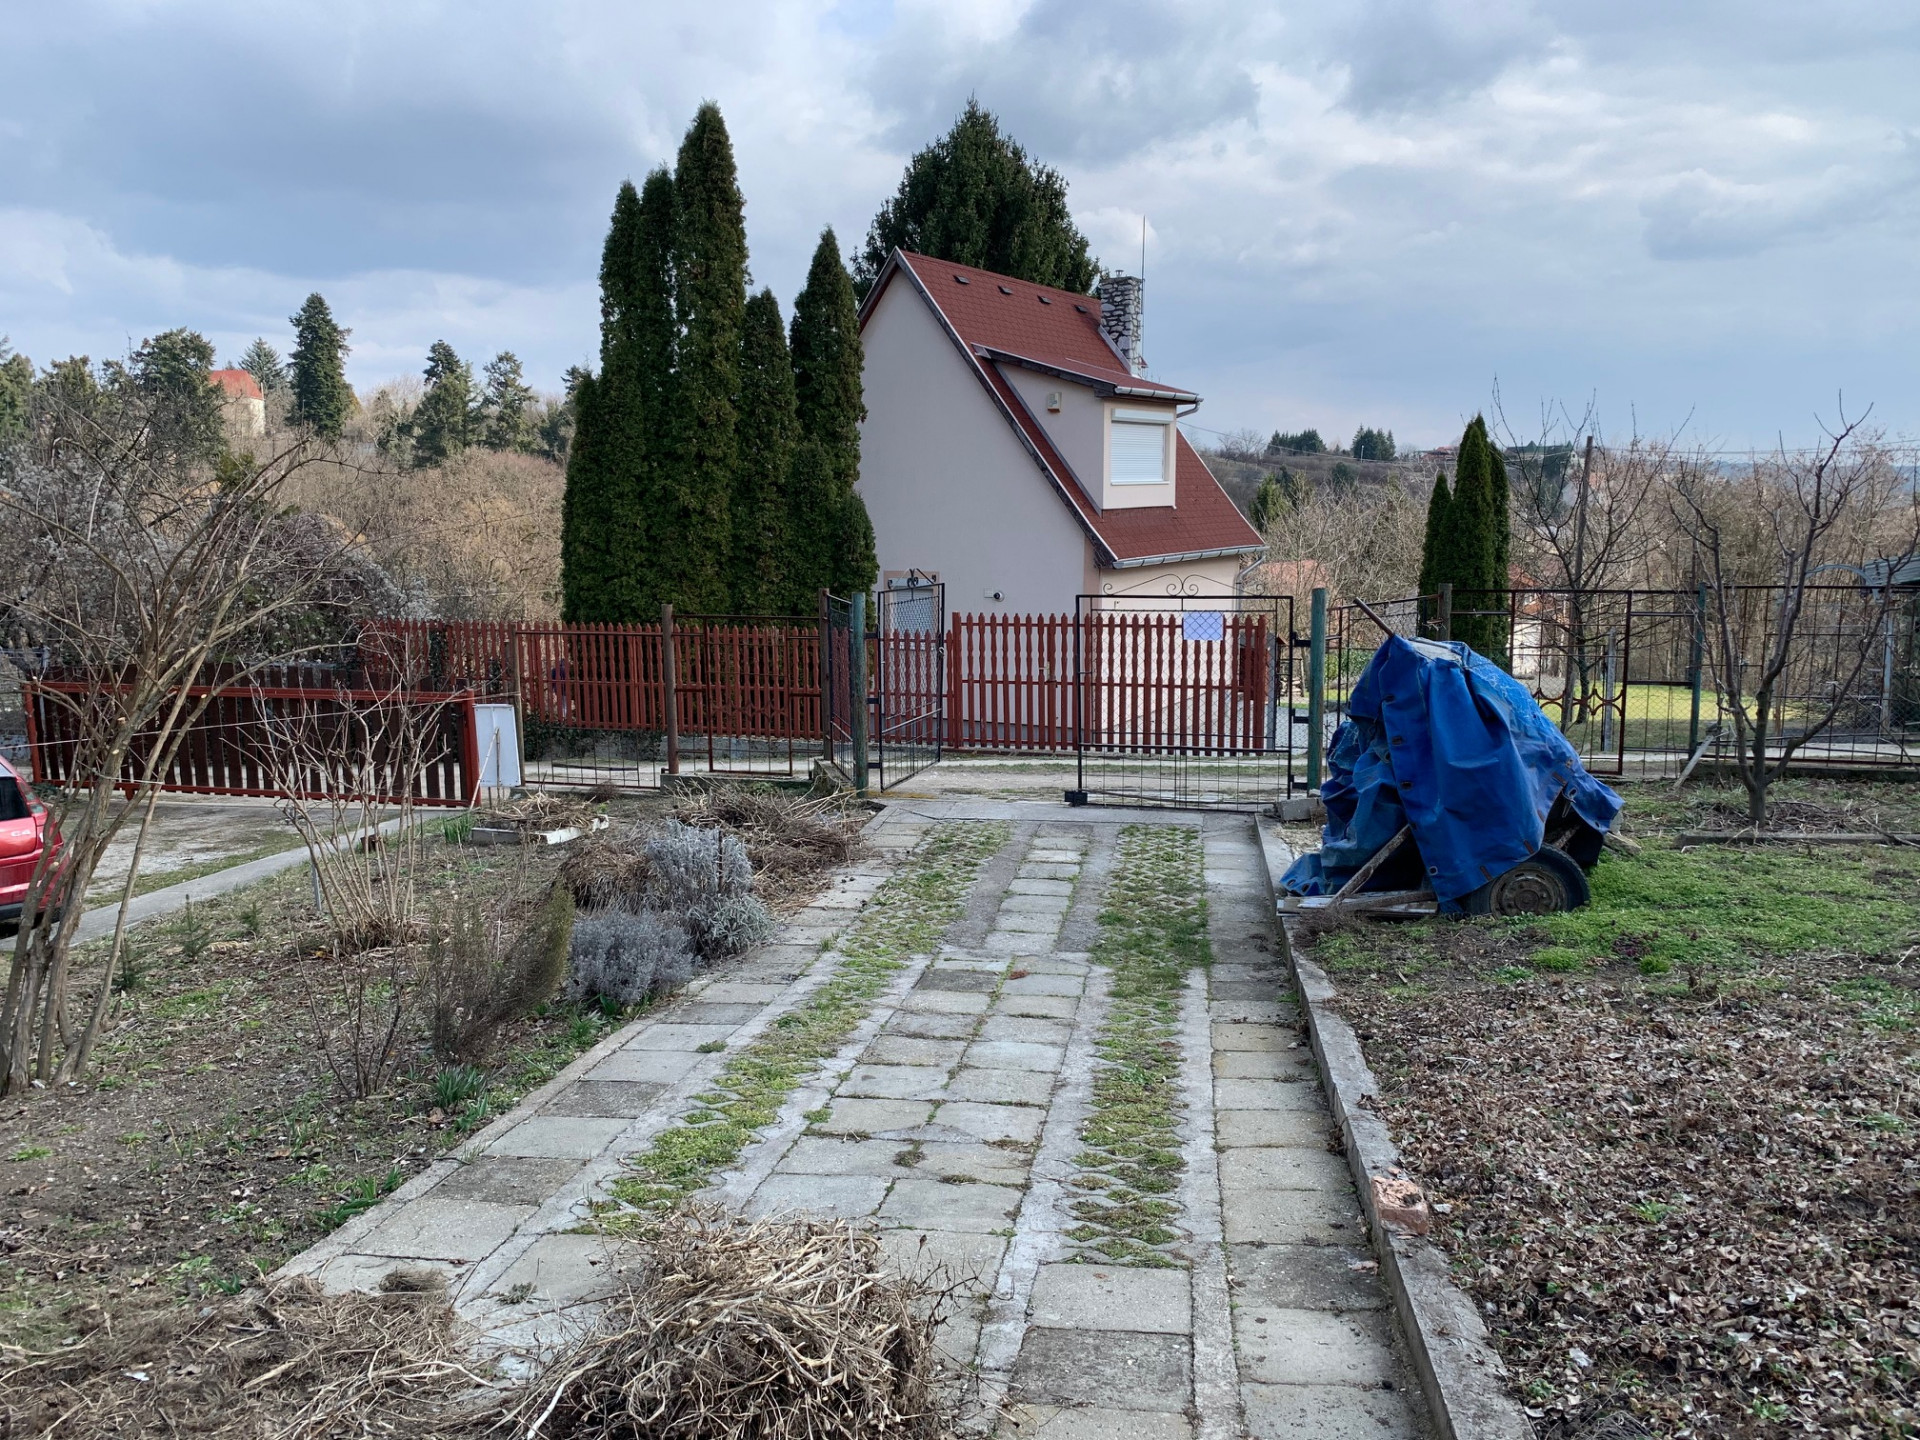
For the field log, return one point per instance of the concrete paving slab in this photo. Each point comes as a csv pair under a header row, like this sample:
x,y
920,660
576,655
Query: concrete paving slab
x,y
565,1269
1014,1055
913,1050
1052,1422
682,1037
873,1117
1097,1297
1328,1412
1115,1369
1265,988
1037,982
821,1155
506,1179
983,981
1283,1063
1257,1037
653,1067
1001,1087
936,1205
558,1137
365,1272
944,1002
701,1012
1056,870
434,1229
1040,887
992,1122
1313,1347
1026,1029
1049,1007
994,1165
626,1099
1292,1167
1014,922
895,1082
1307,1277
934,1025
1234,1128
966,1257
833,1197
1049,905
1292,1217
1268,1095
1260,1012
742,992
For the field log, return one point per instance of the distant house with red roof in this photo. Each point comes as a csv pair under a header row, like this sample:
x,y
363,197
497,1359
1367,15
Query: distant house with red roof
x,y
1013,450
245,406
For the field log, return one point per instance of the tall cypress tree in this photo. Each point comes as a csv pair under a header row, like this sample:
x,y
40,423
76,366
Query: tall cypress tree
x,y
321,398
769,430
1430,576
647,525
584,522
831,534
710,273
1472,543
624,554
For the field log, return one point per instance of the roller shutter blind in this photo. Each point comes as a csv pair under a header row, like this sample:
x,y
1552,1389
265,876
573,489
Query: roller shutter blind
x,y
1139,453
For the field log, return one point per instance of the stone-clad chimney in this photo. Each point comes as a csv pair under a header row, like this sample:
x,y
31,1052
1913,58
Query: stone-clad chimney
x,y
1123,316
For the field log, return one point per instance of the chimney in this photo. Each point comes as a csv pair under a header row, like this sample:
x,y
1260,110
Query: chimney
x,y
1123,317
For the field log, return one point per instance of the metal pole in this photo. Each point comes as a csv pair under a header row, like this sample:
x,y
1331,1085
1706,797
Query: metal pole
x,y
670,687
826,681
1697,665
1570,705
1579,577
1316,687
1446,610
857,685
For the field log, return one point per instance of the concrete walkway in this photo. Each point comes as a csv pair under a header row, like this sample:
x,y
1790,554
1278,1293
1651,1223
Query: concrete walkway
x,y
955,1121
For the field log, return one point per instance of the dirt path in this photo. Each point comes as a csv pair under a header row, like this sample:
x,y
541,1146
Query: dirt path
x,y
1048,1051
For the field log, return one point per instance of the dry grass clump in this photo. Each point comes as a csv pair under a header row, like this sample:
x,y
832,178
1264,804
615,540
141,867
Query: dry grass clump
x,y
288,1362
540,811
771,1330
788,837
608,870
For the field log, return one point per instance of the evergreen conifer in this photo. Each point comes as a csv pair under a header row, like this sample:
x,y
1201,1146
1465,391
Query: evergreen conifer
x,y
321,398
263,363
446,420
16,393
1430,545
646,523
169,374
769,430
1472,543
829,522
584,522
509,415
710,272
973,197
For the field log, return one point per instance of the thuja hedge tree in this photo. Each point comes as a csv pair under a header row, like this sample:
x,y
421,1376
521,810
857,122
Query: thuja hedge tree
x,y
973,197
1467,543
712,467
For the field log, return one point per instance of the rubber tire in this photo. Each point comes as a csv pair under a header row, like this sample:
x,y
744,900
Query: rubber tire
x,y
1546,882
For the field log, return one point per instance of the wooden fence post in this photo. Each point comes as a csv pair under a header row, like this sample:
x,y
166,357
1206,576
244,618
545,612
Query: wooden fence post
x,y
670,688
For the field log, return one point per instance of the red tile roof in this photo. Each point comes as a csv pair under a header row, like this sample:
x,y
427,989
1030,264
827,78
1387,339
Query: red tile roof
x,y
236,384
997,317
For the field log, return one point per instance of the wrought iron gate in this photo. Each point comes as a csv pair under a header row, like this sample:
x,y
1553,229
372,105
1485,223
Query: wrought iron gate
x,y
1184,700
883,682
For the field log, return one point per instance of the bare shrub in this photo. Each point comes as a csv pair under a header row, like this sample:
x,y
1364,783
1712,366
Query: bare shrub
x,y
358,1004
774,1328
483,972
704,879
627,958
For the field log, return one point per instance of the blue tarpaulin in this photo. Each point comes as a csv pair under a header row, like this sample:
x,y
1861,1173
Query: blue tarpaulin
x,y
1442,739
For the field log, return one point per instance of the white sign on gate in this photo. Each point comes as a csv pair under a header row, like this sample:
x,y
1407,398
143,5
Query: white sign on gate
x,y
496,740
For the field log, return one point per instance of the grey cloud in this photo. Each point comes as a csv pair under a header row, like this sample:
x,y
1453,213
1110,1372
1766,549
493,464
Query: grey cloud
x,y
1078,82
1401,54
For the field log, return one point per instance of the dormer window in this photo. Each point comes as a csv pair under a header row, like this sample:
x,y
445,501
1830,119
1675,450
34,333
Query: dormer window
x,y
1138,447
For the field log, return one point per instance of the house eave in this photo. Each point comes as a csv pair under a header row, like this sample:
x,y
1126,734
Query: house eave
x,y
1181,557
1098,384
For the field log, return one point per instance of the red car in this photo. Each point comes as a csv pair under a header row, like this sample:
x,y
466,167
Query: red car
x,y
26,829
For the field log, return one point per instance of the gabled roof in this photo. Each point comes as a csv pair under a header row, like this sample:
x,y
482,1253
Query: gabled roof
x,y
236,384
996,320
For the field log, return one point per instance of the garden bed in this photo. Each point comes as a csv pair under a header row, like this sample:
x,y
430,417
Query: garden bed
x,y
212,1141
1673,1140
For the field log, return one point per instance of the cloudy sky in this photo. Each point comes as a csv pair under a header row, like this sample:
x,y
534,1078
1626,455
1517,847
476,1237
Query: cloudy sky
x,y
1358,211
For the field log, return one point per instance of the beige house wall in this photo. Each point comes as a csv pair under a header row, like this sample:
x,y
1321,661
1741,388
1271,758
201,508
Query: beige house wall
x,y
1192,578
952,491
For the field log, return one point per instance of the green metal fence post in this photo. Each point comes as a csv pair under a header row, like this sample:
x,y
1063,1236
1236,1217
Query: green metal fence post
x,y
857,683
1316,686
1446,610
1698,664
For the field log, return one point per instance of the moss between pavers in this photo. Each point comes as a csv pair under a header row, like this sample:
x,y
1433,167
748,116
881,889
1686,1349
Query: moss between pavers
x,y
905,917
1152,932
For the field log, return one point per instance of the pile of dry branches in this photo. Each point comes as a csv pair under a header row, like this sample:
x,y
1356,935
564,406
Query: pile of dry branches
x,y
788,837
287,1361
762,1331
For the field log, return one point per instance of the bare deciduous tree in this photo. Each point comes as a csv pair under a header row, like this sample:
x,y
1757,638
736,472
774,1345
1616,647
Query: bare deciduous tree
x,y
1779,525
142,575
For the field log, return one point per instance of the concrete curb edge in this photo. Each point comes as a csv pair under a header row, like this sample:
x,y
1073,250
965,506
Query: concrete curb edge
x,y
1462,1379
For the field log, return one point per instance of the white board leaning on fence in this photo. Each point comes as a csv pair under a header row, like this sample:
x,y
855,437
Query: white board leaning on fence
x,y
496,740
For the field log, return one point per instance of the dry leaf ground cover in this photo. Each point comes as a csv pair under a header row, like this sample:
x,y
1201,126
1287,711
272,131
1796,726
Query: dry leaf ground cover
x,y
1674,1139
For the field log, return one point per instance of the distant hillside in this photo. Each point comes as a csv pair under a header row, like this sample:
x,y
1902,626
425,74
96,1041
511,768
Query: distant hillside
x,y
1240,477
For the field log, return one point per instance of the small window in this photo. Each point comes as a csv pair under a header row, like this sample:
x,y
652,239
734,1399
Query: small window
x,y
1139,449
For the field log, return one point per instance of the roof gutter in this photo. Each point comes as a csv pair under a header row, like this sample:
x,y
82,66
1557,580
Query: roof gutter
x,y
1183,557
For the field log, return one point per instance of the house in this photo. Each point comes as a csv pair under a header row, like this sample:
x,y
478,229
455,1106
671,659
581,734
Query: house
x,y
245,406
1013,450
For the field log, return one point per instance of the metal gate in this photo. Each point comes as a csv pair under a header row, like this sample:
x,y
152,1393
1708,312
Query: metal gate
x,y
883,682
910,678
1184,700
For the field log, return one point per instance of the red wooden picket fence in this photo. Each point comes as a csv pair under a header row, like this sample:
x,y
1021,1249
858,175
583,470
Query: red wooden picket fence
x,y
277,740
1009,682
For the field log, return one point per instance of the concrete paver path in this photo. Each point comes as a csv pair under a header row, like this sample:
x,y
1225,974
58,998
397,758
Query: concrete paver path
x,y
1128,1164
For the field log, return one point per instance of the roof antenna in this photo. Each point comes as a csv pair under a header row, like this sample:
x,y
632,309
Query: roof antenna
x,y
1143,247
